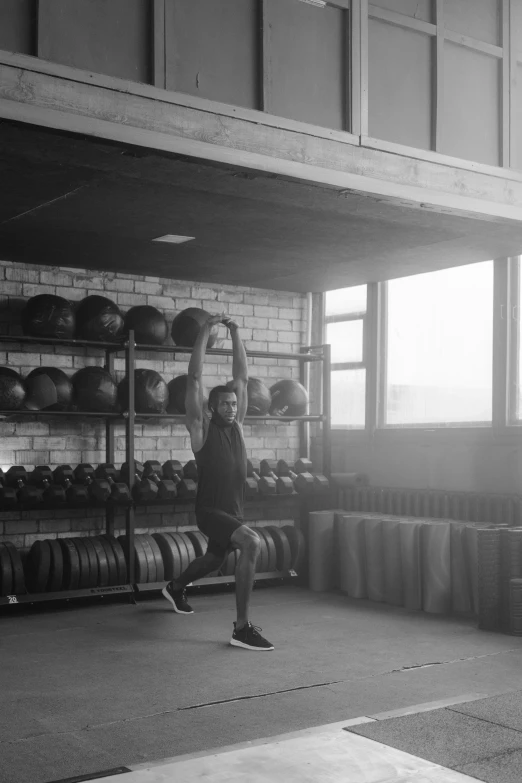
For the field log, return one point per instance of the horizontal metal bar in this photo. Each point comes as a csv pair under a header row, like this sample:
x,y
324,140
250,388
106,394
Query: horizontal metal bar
x,y
348,366
61,414
120,346
342,317
62,595
144,417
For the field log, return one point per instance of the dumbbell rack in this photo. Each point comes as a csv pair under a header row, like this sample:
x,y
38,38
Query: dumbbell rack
x,y
131,418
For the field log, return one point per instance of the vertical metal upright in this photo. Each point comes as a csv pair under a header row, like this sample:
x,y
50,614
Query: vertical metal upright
x,y
130,355
304,426
327,412
109,445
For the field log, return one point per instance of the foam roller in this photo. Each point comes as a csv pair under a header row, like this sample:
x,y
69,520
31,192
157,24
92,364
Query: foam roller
x,y
393,587
409,535
374,558
460,584
321,564
351,555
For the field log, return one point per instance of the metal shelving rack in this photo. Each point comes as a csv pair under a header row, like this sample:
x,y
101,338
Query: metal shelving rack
x,y
130,418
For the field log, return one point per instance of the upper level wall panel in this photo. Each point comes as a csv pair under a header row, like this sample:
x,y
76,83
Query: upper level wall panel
x,y
306,62
417,9
399,85
212,49
480,19
18,26
105,36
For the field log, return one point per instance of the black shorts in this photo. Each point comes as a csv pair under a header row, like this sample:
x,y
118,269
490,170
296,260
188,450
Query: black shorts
x,y
218,526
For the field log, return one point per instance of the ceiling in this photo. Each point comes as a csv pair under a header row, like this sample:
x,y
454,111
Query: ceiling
x,y
75,201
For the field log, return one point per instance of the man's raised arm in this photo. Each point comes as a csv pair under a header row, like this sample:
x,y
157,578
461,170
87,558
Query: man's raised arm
x,y
239,368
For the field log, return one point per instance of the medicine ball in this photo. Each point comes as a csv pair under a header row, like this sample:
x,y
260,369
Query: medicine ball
x,y
259,397
12,390
98,318
289,398
94,390
186,326
47,315
177,389
48,388
150,392
150,326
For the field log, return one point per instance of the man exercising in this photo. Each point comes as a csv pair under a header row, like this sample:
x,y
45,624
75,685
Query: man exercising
x,y
220,454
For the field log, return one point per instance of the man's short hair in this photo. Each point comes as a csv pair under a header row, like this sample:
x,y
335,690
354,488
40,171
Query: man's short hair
x,y
213,397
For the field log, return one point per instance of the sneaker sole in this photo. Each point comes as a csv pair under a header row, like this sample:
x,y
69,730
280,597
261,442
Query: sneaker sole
x,y
236,643
170,598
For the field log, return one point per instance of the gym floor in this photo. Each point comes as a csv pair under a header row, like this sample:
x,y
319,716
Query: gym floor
x,y
91,688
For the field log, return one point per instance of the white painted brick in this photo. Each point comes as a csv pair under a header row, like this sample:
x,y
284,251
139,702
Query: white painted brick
x,y
228,296
182,304
28,289
280,372
57,278
72,294
7,458
149,279
75,443
92,456
161,456
48,443
2,272
30,458
177,291
198,292
256,345
289,313
280,324
21,274
155,289
256,299
161,302
241,309
129,300
12,289
266,312
26,428
289,337
265,335
117,284
151,364
93,283
57,360
7,428
10,444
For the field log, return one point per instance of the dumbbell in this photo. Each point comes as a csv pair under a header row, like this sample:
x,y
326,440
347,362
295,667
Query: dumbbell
x,y
99,489
186,486
304,465
190,470
144,490
167,489
75,494
8,497
251,487
42,477
303,482
265,484
16,477
284,484
120,493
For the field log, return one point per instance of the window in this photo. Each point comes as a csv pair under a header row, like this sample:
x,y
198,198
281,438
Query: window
x,y
345,316
439,347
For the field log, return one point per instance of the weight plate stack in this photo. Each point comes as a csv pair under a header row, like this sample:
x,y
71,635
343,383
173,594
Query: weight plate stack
x,y
17,568
169,554
111,560
94,571
54,585
85,564
37,567
297,546
103,563
183,551
270,548
6,572
140,559
190,546
149,554
71,564
120,559
199,541
282,546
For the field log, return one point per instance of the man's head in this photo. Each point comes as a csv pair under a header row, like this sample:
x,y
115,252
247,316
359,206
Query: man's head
x,y
223,404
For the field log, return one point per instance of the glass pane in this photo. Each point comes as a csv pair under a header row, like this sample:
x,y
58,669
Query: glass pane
x,y
519,367
439,352
346,300
346,339
348,393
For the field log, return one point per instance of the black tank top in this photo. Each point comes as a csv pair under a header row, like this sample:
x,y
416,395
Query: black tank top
x,y
222,469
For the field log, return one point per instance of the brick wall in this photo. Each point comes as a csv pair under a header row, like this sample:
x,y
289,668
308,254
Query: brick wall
x,y
269,321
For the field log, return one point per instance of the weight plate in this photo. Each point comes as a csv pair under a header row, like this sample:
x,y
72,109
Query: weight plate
x,y
71,564
297,545
55,582
37,566
183,551
6,572
272,555
160,571
282,545
169,555
262,560
141,568
94,571
149,554
199,541
120,559
85,563
190,546
18,569
103,564
111,560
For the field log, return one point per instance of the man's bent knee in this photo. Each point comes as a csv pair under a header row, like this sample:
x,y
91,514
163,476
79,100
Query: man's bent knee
x,y
246,540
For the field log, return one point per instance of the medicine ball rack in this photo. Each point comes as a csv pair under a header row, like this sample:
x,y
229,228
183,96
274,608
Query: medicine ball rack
x,y
320,353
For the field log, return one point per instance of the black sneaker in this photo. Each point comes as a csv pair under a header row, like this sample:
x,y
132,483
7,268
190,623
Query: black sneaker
x,y
250,638
178,599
